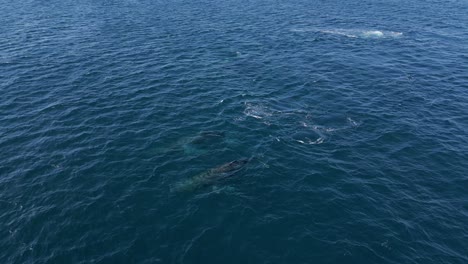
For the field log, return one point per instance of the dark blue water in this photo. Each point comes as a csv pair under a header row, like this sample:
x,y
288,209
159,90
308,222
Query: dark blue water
x,y
353,116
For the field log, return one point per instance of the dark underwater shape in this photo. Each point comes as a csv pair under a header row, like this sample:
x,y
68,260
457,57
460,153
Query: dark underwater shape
x,y
207,137
211,176
203,142
194,145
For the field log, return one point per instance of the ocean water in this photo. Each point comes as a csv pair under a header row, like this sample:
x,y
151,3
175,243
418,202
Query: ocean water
x,y
353,116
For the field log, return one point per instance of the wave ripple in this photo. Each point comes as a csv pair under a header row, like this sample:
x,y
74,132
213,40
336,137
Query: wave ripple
x,y
352,116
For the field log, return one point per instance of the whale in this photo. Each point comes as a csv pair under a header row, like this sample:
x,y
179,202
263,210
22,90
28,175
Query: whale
x,y
201,143
206,137
210,176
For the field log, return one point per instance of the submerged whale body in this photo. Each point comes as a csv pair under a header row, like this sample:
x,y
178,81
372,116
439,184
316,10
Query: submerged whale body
x,y
207,137
193,145
203,142
211,176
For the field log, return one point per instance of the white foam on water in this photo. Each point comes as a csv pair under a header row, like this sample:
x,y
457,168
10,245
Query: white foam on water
x,y
353,33
320,129
395,34
359,33
345,33
381,34
373,33
300,30
257,111
352,122
319,140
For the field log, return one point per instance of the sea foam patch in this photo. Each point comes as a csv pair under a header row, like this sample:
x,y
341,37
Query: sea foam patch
x,y
359,33
354,33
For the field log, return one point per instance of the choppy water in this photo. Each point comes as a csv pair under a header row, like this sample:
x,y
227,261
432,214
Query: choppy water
x,y
354,115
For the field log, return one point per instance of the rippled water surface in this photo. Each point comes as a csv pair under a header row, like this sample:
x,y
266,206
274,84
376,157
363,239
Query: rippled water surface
x,y
116,118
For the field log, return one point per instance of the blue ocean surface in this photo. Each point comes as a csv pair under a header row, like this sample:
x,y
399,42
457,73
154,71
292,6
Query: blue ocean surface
x,y
148,131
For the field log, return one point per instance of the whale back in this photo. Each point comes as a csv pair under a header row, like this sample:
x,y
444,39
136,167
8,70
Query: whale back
x,y
210,176
230,166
